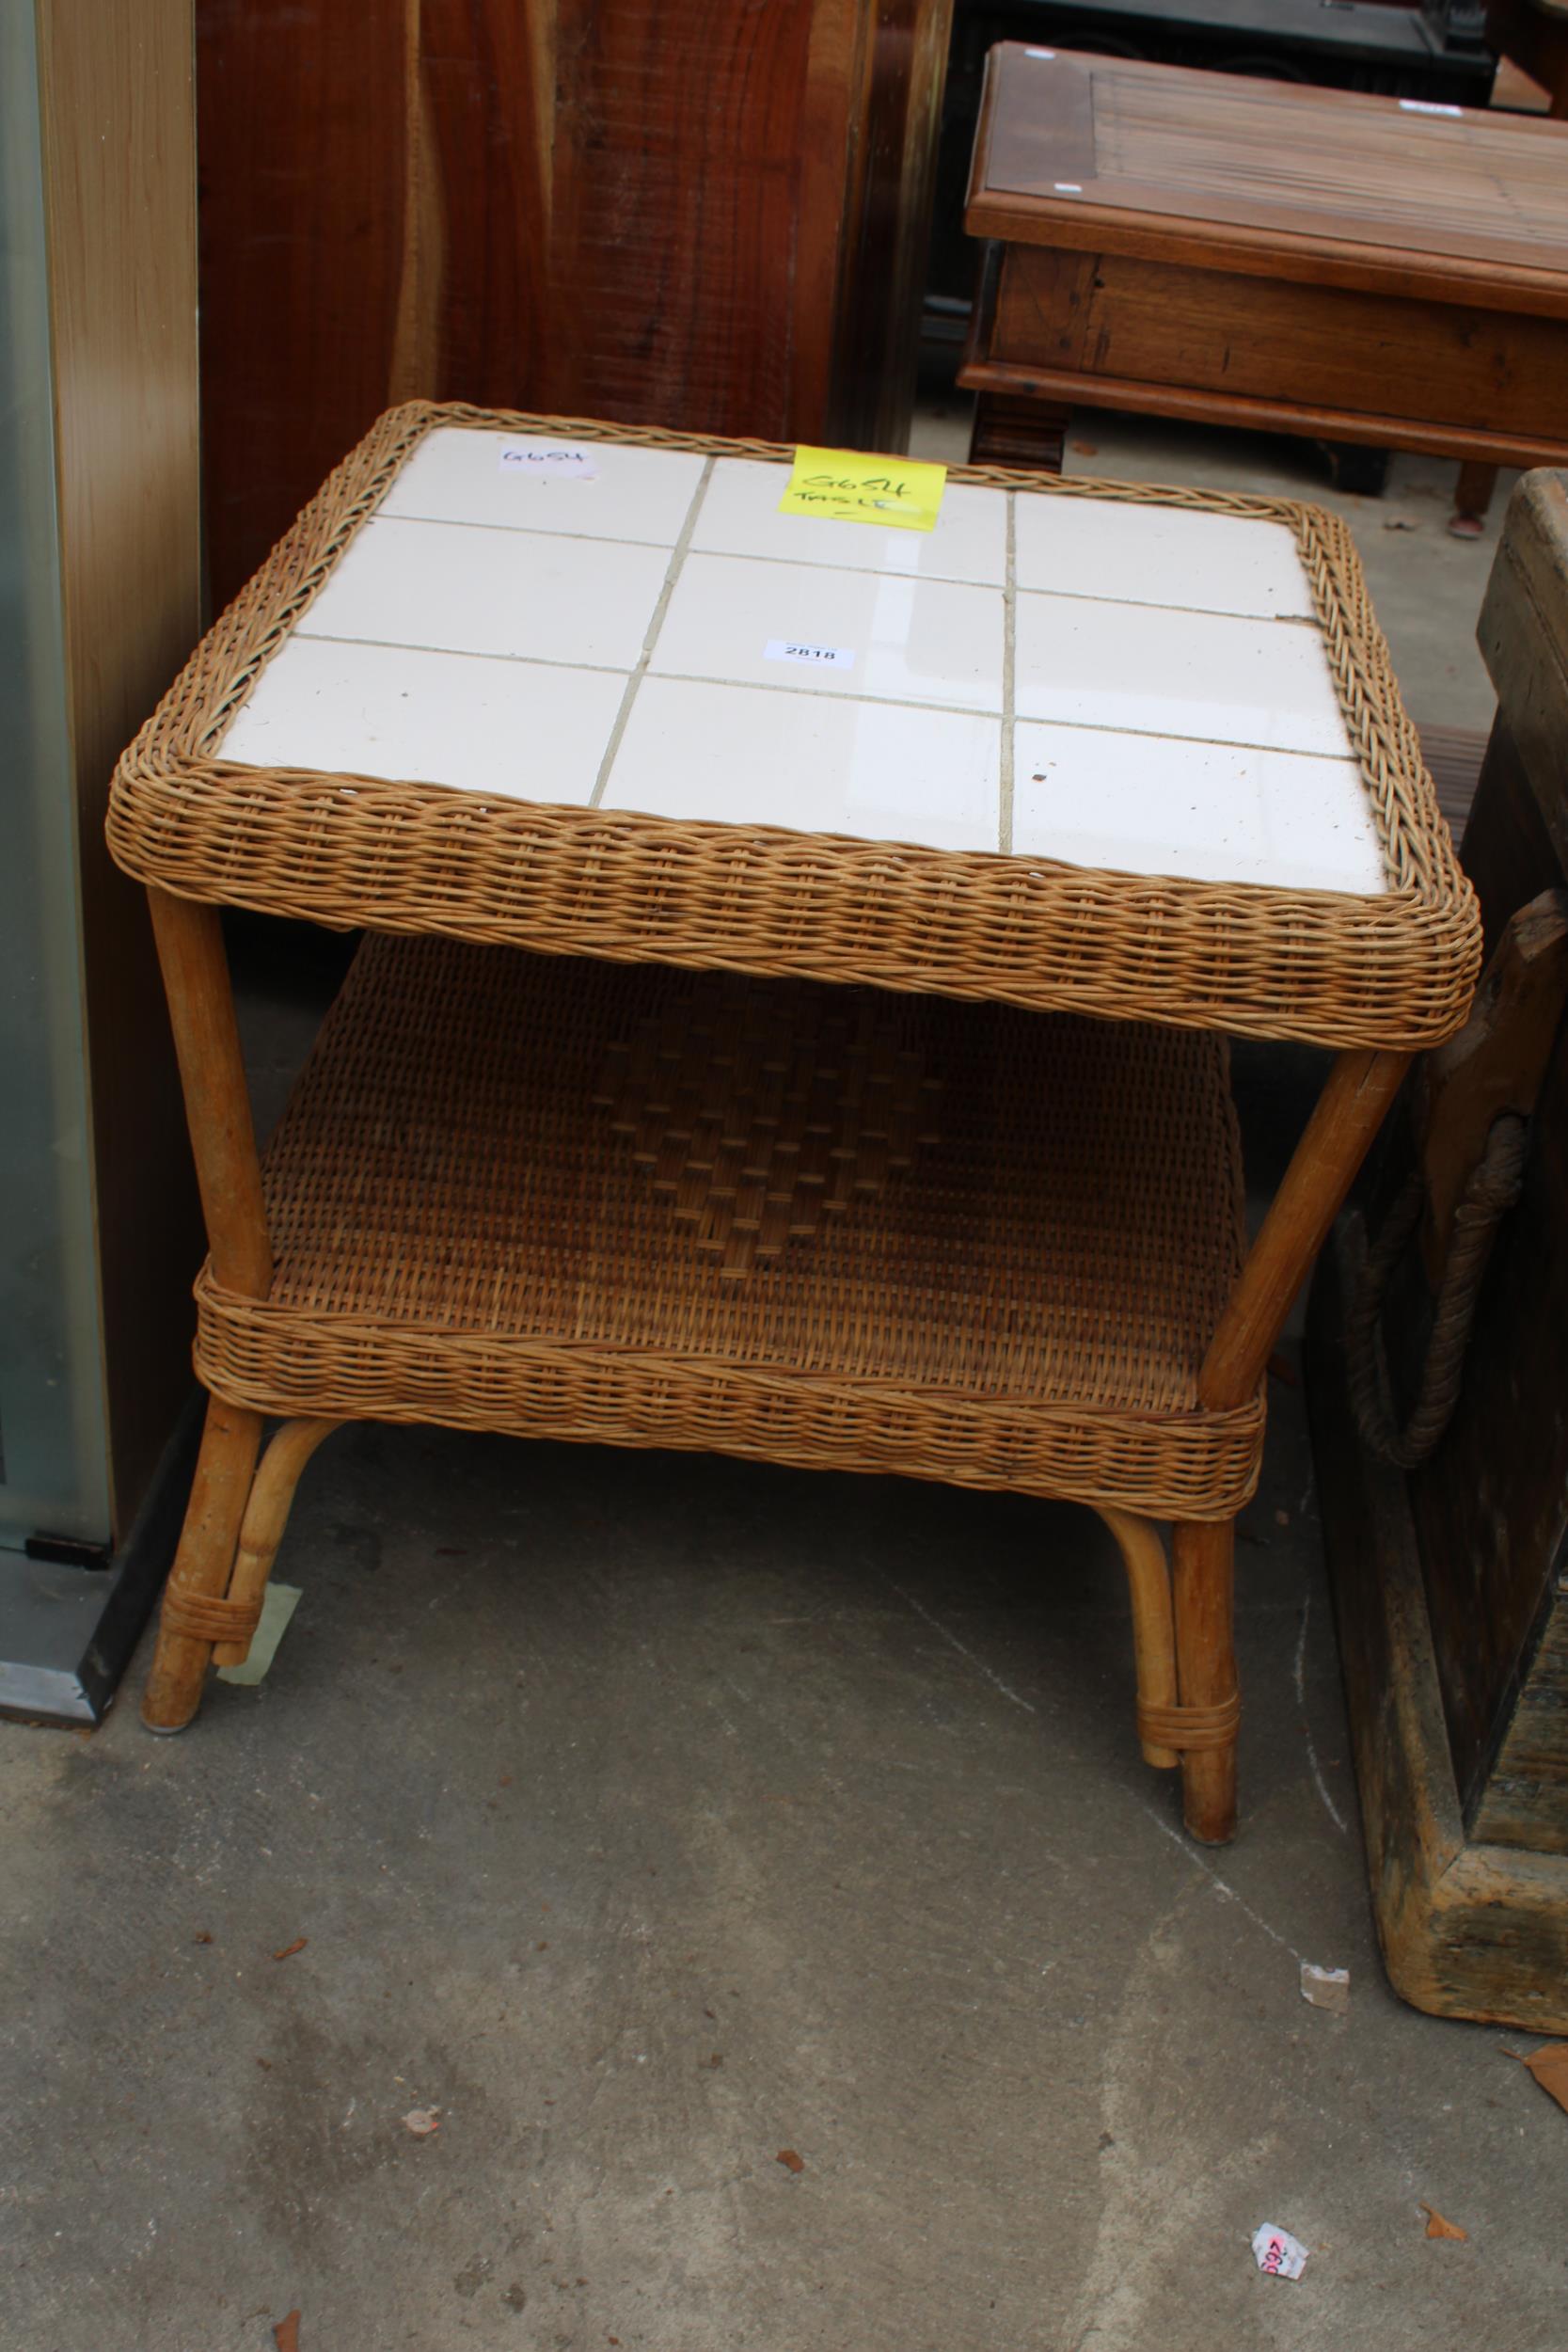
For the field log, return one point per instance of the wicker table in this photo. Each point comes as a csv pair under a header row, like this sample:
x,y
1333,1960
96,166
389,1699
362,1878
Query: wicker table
x,y
792,1022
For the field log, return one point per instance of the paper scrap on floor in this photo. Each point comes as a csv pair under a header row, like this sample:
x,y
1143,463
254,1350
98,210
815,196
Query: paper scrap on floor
x,y
1325,1988
1278,2254
278,1606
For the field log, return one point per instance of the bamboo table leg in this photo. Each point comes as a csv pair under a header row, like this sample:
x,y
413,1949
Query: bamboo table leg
x,y
200,1576
266,1515
1348,1112
1143,1555
197,1610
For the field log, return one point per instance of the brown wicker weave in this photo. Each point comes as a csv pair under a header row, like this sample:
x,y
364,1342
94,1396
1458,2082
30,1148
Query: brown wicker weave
x,y
1391,971
730,1162
465,1232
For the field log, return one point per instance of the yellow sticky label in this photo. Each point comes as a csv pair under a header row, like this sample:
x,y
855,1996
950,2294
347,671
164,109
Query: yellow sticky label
x,y
847,486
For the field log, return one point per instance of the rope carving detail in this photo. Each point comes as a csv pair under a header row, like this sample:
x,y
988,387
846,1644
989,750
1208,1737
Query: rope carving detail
x,y
1492,1189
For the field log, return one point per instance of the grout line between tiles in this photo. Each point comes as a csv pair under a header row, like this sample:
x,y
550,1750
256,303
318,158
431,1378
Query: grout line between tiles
x,y
814,693
671,574
729,555
853,571
465,653
805,692
1192,611
1009,613
526,530
812,563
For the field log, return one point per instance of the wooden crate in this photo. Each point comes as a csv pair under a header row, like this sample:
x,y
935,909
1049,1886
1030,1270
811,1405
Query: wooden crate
x,y
1449,1584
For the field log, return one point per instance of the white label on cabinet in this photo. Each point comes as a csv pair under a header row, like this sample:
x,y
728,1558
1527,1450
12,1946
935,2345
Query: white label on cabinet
x,y
547,464
815,657
1429,106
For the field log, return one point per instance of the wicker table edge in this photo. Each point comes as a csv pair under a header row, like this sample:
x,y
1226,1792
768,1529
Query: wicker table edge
x,y
1394,971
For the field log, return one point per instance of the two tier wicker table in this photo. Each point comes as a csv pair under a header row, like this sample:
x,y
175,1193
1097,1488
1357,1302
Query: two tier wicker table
x,y
792,1016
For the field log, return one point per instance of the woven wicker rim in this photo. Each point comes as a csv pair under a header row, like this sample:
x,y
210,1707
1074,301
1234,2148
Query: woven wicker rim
x,y
461,1233
1393,971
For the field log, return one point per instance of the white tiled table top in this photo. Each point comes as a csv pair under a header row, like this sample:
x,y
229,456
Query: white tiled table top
x,y
596,624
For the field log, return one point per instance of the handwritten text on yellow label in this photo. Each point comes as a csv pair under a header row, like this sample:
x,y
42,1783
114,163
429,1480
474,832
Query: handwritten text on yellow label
x,y
847,485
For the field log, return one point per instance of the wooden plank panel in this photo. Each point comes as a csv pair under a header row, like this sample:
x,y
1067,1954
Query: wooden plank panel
x,y
1525,1802
708,216
1491,1508
674,190
896,87
1523,635
478,132
120,172
303,177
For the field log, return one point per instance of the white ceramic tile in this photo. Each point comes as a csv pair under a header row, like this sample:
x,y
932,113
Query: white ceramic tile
x,y
927,641
1154,671
1159,555
739,515
1214,812
731,756
517,728
457,475
457,590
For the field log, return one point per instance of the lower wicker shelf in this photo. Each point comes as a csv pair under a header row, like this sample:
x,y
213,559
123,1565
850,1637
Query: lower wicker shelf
x,y
821,1225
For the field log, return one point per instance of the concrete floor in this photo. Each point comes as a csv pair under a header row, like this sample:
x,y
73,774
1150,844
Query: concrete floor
x,y
649,1815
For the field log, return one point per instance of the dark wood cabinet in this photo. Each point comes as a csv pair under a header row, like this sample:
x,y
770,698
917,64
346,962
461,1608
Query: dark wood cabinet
x,y
701,213
1244,253
1449,1575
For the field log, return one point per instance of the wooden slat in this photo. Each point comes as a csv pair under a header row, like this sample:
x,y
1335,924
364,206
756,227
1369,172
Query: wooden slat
x,y
1065,386
1491,1505
1307,346
1453,758
1525,1799
120,187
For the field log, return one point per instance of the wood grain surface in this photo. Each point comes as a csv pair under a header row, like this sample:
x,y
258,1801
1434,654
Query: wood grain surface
x,y
1468,1926
1314,347
710,216
1184,166
119,127
1491,1508
1268,257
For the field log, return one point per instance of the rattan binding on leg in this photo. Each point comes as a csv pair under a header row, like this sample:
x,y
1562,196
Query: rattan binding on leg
x,y
1190,1728
209,1619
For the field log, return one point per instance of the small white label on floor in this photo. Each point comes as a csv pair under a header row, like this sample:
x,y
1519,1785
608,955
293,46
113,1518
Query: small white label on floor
x,y
1429,106
547,464
1325,1988
815,657
278,1603
1278,2254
